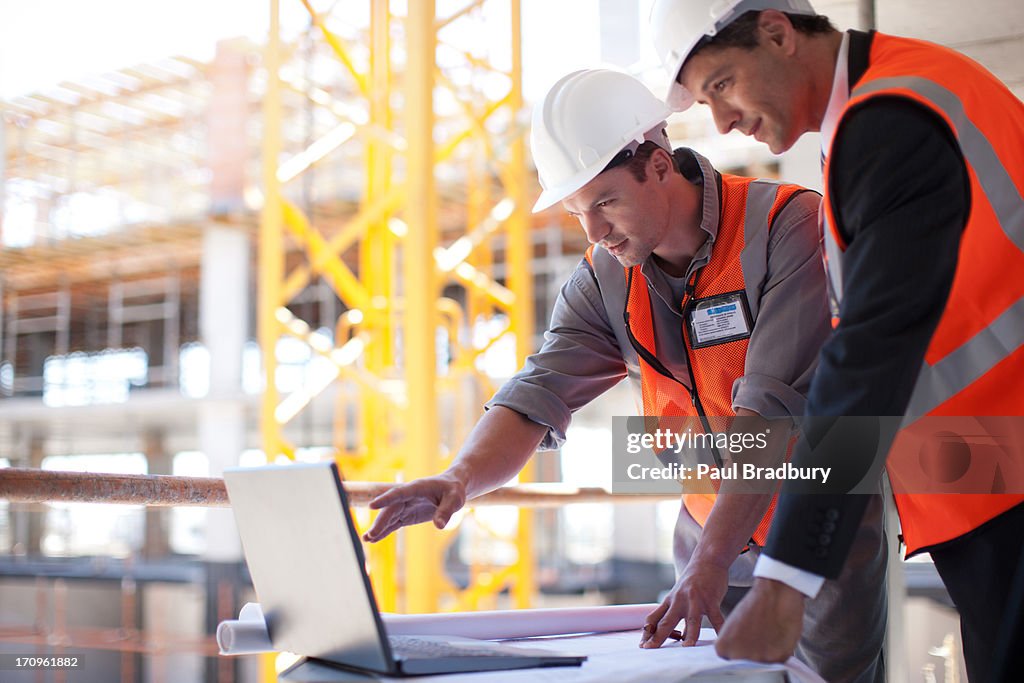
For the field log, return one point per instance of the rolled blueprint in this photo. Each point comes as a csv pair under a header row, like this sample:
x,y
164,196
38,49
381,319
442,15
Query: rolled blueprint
x,y
520,623
248,634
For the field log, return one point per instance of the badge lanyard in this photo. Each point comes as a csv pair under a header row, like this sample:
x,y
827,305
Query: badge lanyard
x,y
659,367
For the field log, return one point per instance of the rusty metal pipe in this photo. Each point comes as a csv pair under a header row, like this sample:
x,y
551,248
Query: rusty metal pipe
x,y
26,485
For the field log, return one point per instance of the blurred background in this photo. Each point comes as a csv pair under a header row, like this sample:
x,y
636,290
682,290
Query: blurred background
x,y
243,232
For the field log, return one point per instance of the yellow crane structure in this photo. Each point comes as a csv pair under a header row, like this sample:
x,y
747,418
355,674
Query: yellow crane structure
x,y
444,198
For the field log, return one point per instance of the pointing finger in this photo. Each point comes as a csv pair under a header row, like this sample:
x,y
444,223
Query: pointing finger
x,y
395,494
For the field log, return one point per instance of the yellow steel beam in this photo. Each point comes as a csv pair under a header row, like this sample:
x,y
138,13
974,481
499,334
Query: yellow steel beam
x,y
519,248
498,294
476,121
375,210
271,263
345,283
449,147
422,559
449,258
339,48
481,64
316,151
441,23
376,265
271,246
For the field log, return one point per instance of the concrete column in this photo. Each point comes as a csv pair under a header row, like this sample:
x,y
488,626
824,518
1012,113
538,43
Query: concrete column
x,y
223,329
157,542
3,177
221,438
227,117
37,513
224,306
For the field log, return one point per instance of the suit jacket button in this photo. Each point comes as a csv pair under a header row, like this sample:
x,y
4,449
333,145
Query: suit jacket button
x,y
825,539
828,527
832,514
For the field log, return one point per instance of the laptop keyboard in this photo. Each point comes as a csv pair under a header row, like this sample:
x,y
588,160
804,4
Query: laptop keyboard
x,y
411,647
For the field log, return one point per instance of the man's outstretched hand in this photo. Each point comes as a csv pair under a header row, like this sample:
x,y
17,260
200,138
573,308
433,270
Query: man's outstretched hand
x,y
434,498
766,624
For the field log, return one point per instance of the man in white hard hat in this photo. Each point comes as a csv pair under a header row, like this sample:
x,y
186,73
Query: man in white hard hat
x,y
923,231
706,290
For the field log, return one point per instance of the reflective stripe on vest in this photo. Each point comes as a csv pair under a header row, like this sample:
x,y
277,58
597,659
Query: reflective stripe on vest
x,y
739,261
977,352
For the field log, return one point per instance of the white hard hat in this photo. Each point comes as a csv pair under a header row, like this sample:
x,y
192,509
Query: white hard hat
x,y
586,119
678,25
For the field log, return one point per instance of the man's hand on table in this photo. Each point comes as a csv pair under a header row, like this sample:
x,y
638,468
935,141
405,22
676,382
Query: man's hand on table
x,y
766,624
698,592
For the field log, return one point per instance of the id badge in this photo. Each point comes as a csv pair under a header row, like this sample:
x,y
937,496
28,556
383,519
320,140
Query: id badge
x,y
719,319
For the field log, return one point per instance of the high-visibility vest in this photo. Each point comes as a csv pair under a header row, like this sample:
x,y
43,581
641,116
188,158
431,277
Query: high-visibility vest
x,y
974,364
738,263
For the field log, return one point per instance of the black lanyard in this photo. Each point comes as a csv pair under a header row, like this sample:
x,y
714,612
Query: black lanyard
x,y
659,367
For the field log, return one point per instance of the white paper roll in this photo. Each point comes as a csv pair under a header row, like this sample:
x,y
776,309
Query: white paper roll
x,y
248,634
245,636
520,623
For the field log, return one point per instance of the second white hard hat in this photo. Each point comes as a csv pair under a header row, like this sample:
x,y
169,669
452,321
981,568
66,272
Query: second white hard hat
x,y
585,119
678,25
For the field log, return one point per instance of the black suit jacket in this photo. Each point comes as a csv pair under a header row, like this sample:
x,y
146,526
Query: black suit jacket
x,y
900,194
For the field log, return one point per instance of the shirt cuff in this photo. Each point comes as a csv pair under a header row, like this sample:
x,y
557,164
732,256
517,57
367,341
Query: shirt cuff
x,y
537,404
798,579
767,396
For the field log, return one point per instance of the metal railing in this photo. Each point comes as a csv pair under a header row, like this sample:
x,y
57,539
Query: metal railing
x,y
26,485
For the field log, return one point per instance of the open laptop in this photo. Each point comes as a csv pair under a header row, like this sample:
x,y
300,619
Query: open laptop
x,y
307,565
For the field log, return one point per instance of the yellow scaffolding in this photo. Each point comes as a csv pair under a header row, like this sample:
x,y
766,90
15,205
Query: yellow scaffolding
x,y
442,190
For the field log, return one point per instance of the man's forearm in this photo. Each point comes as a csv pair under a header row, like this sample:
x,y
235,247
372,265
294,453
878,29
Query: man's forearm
x,y
497,448
737,511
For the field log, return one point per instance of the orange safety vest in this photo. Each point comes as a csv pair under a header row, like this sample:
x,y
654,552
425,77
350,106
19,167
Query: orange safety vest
x,y
748,210
974,364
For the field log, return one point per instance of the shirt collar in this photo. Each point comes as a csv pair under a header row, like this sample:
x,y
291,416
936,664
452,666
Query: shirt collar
x,y
839,97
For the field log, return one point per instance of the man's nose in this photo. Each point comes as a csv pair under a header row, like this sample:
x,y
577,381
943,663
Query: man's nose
x,y
726,117
595,227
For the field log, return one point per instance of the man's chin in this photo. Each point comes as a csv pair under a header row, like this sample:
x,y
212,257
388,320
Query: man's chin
x,y
628,260
776,146
782,146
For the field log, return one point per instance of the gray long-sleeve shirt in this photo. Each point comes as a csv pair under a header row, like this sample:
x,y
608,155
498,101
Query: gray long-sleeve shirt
x,y
581,357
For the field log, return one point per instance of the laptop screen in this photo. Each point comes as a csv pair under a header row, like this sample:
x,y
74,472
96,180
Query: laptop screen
x,y
307,564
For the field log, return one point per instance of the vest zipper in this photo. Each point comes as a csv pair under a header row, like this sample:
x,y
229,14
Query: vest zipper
x,y
660,368
691,287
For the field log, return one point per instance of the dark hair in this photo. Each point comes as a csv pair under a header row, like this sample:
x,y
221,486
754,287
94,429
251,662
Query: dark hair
x,y
635,161
743,32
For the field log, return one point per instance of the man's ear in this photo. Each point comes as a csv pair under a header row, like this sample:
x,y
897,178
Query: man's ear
x,y
776,30
660,164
